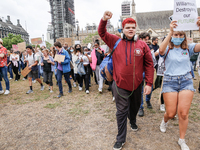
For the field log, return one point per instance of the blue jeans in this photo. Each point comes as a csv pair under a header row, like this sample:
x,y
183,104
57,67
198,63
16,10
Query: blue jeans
x,y
177,83
148,97
10,72
40,71
192,71
3,70
59,79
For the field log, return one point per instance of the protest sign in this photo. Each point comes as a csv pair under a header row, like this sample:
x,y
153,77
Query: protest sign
x,y
161,66
43,44
77,42
59,58
154,58
15,47
89,45
36,41
185,13
21,46
25,71
65,40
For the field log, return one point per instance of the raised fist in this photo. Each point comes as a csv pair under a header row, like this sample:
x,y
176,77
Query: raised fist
x,y
107,15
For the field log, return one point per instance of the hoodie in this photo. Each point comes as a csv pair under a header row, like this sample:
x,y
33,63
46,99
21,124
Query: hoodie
x,y
130,59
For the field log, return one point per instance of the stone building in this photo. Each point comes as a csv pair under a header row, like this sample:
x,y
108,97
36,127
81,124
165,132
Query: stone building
x,y
155,23
8,27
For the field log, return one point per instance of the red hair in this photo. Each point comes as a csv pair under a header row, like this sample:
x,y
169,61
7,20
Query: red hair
x,y
128,20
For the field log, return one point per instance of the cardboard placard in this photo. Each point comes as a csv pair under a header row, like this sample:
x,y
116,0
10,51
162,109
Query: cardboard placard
x,y
15,47
63,40
25,72
185,13
37,41
21,46
59,58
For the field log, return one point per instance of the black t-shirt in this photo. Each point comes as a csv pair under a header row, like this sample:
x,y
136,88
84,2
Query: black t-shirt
x,y
47,66
99,57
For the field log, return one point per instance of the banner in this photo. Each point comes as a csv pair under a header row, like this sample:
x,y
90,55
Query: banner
x,y
15,47
59,58
185,13
21,46
65,40
37,41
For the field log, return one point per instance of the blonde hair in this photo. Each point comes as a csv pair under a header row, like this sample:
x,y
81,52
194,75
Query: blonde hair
x,y
184,44
45,50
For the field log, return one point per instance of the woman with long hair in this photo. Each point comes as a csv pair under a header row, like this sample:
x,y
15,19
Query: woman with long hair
x,y
178,87
48,67
97,57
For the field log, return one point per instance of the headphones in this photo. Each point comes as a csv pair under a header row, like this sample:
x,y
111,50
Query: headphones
x,y
135,37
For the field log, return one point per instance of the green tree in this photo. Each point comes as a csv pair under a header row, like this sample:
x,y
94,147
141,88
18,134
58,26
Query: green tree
x,y
48,45
88,39
11,39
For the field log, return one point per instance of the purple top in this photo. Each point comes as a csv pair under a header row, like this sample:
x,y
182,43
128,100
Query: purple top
x,y
59,65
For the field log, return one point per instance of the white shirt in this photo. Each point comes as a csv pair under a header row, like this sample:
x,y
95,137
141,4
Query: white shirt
x,y
86,60
31,60
16,59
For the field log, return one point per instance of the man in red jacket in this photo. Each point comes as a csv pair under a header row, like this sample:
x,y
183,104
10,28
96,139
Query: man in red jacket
x,y
130,59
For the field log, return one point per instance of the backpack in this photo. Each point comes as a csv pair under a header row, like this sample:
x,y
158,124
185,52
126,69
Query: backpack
x,y
194,57
106,66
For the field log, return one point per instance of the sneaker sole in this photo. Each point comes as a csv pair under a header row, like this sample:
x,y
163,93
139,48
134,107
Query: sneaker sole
x,y
134,129
119,148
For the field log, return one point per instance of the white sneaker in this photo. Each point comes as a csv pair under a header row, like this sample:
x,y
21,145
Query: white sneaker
x,y
51,91
100,90
23,79
80,88
182,144
163,126
162,107
10,78
6,92
34,81
74,84
113,99
1,92
87,91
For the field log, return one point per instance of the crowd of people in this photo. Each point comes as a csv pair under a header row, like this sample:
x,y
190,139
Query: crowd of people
x,y
134,61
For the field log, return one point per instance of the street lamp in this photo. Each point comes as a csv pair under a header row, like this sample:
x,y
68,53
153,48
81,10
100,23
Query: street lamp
x,y
43,37
77,28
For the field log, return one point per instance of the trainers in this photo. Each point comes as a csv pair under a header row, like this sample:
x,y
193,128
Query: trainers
x,y
29,91
10,78
70,90
141,112
194,78
61,94
134,127
149,106
182,144
6,92
80,88
118,145
87,91
51,91
113,99
162,107
2,91
34,81
163,126
23,79
42,88
100,90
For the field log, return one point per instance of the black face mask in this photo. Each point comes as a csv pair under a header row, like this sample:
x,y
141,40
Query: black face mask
x,y
78,49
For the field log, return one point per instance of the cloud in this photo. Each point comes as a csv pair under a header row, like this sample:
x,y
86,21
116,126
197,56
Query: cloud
x,y
35,13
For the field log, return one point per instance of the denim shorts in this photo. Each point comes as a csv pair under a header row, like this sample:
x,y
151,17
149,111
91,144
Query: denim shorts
x,y
177,83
